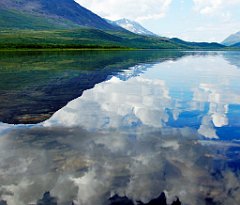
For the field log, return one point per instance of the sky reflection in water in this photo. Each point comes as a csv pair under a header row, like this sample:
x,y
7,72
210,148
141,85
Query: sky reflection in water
x,y
172,126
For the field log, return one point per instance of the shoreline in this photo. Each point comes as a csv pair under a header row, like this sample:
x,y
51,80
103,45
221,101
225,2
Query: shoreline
x,y
114,49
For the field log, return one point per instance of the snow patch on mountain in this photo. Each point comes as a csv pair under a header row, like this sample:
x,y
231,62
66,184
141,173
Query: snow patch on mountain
x,y
134,27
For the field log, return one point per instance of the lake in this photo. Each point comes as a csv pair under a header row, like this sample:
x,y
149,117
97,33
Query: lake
x,y
92,127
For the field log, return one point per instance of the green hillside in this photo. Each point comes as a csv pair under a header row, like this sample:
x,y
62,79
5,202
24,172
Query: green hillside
x,y
22,30
12,19
49,14
80,38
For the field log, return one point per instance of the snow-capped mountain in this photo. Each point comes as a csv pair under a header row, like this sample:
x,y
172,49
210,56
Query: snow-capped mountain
x,y
133,27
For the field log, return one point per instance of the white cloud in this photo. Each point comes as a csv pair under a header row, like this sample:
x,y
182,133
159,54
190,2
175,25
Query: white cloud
x,y
213,6
140,10
207,6
148,107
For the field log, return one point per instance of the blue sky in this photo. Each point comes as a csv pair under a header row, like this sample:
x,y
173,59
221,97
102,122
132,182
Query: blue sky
x,y
193,20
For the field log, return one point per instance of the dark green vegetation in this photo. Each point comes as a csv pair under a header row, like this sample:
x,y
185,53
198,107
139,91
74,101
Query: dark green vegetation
x,y
81,38
12,19
64,24
236,44
91,38
198,45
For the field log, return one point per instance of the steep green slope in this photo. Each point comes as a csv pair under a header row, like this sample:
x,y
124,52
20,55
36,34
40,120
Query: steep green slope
x,y
62,13
21,20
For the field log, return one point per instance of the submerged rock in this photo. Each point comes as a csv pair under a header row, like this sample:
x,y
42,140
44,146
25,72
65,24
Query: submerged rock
x,y
210,201
161,200
2,202
177,202
47,200
115,200
118,200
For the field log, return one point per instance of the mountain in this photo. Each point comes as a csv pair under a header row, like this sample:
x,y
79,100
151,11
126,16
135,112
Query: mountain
x,y
232,40
198,45
66,24
48,14
133,26
236,44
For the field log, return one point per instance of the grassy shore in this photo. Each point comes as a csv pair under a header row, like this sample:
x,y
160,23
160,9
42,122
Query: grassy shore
x,y
80,39
91,39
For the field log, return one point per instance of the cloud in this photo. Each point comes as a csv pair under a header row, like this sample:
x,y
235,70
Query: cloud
x,y
213,6
107,110
114,9
207,6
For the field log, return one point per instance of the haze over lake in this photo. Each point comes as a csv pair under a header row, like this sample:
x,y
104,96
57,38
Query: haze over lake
x,y
86,125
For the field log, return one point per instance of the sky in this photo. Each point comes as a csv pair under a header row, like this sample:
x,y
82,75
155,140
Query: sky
x,y
192,20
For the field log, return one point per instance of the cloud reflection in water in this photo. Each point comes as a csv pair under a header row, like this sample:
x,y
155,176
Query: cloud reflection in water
x,y
137,137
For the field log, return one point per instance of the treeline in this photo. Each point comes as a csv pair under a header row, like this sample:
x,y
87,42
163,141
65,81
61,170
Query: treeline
x,y
57,46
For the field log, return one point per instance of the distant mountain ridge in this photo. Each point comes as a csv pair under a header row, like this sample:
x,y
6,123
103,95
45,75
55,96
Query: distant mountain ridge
x,y
59,12
197,44
236,45
133,26
232,40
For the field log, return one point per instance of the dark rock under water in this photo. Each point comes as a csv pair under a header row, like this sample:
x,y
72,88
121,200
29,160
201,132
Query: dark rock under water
x,y
2,202
161,200
47,199
118,200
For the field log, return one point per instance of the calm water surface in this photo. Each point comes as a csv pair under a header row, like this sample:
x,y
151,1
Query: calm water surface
x,y
89,125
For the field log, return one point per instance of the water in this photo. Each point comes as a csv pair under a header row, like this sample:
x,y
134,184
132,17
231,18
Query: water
x,y
134,123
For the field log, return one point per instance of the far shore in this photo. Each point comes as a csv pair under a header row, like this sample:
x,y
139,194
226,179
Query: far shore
x,y
114,49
